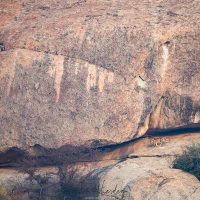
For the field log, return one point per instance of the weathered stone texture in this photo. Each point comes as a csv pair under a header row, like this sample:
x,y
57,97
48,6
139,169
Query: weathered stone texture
x,y
146,174
88,72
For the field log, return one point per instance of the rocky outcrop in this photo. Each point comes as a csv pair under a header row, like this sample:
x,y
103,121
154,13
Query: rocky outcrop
x,y
134,182
96,73
139,182
146,173
85,73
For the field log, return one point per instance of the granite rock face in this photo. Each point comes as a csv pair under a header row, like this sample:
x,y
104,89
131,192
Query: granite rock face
x,y
139,182
97,72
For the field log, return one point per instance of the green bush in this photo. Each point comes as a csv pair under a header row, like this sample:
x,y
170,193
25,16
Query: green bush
x,y
189,161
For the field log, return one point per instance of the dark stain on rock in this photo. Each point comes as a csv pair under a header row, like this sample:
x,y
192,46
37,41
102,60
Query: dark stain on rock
x,y
167,43
112,122
150,60
186,109
181,107
146,111
73,115
2,46
172,14
190,70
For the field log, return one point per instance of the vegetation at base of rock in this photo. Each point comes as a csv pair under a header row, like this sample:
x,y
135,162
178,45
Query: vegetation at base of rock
x,y
69,186
189,161
73,186
3,193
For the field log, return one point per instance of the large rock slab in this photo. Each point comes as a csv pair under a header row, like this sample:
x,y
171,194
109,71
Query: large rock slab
x,y
95,73
147,178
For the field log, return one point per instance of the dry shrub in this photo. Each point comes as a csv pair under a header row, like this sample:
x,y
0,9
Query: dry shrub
x,y
189,161
3,193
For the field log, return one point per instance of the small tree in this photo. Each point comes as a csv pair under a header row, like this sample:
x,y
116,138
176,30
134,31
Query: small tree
x,y
189,161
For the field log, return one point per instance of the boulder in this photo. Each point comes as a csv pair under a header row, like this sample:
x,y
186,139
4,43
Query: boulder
x,y
98,73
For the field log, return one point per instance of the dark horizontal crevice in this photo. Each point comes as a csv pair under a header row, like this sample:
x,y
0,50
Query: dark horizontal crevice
x,y
68,154
167,43
156,132
150,156
194,128
109,67
42,157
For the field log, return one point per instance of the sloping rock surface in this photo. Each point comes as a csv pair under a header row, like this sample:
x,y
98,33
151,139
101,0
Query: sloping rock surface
x,y
97,72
